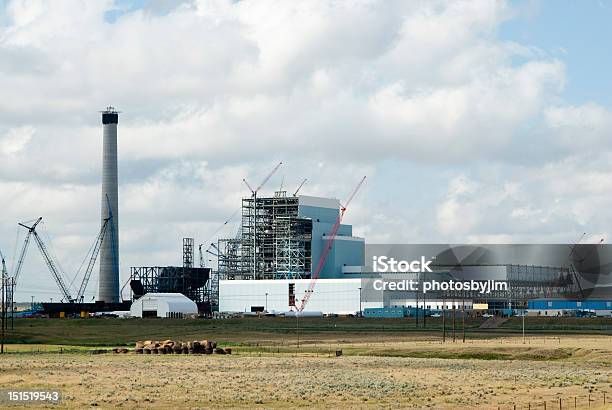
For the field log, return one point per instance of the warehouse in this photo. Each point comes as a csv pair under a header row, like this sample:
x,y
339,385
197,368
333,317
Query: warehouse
x,y
562,307
339,296
166,305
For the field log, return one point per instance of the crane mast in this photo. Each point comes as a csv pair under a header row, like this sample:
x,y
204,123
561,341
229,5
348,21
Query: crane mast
x,y
92,260
328,246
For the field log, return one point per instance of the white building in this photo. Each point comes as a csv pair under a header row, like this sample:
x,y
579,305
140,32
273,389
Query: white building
x,y
340,296
174,305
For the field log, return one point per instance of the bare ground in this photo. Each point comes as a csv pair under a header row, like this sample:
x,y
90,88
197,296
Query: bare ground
x,y
533,373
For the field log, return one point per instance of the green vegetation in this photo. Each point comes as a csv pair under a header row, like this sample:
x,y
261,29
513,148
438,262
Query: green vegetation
x,y
275,331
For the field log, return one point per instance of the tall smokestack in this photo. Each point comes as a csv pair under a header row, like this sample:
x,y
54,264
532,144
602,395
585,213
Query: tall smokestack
x,y
108,290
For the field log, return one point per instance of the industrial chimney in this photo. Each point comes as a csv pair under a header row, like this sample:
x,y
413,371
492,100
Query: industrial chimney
x,y
108,290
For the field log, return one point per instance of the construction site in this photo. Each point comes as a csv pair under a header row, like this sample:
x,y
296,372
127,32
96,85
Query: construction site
x,y
294,253
291,292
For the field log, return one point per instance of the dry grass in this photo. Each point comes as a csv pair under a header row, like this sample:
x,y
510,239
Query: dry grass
x,y
252,379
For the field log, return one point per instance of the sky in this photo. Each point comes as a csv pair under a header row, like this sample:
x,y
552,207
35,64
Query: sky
x,y
474,121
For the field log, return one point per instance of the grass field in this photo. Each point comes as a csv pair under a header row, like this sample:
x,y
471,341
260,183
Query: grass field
x,y
384,364
269,330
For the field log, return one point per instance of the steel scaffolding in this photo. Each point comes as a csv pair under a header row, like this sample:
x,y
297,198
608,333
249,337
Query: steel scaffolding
x,y
272,241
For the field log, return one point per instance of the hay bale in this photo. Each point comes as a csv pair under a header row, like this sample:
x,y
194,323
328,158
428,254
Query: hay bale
x,y
177,349
155,350
139,344
148,342
138,351
208,351
219,351
123,350
169,349
185,350
146,351
213,345
228,350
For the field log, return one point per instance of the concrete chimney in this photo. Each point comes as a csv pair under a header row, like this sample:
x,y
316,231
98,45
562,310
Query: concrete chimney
x,y
108,290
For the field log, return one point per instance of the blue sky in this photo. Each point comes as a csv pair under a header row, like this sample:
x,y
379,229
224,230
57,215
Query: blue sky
x,y
577,32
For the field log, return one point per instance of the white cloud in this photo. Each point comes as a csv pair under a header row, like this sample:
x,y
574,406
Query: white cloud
x,y
214,91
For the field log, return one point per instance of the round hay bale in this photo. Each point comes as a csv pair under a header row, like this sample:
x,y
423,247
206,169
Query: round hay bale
x,y
208,351
219,351
177,349
190,351
147,342
155,350
228,350
169,349
138,351
146,351
139,345
123,350
185,350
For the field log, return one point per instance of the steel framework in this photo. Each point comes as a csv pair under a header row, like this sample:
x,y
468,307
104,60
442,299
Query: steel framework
x,y
272,241
191,282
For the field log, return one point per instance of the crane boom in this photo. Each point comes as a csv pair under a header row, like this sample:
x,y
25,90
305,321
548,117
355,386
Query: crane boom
x,y
53,267
24,248
92,260
328,246
300,187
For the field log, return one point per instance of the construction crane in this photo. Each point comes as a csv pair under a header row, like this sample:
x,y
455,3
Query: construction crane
x,y
24,248
328,245
51,264
92,260
300,187
254,196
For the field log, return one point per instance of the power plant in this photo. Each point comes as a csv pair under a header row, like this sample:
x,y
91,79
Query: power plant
x,y
293,252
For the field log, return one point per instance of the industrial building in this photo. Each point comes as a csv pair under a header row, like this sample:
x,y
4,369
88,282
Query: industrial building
x,y
164,305
562,307
333,296
283,237
192,282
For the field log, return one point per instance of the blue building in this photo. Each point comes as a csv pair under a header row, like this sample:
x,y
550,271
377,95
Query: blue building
x,y
285,237
563,307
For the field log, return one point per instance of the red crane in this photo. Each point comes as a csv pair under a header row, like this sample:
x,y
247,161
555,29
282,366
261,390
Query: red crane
x,y
328,246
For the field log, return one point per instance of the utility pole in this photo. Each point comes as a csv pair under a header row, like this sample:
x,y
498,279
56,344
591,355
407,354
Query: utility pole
x,y
454,320
443,319
266,302
463,318
12,303
3,313
524,314
360,311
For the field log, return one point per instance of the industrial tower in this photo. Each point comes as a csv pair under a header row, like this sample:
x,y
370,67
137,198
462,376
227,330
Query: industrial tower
x,y
108,290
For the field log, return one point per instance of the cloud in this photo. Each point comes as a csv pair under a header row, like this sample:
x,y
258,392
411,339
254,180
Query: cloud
x,y
423,97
